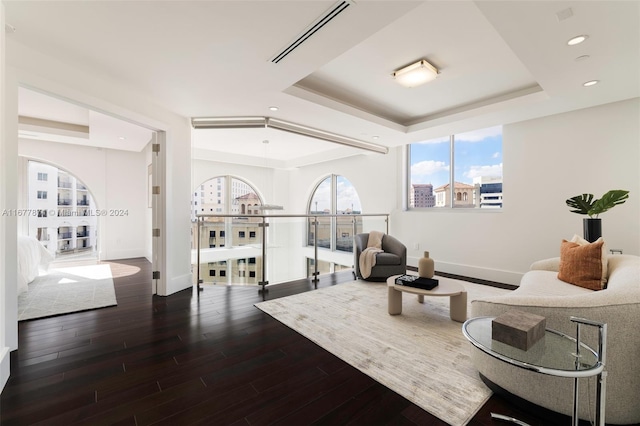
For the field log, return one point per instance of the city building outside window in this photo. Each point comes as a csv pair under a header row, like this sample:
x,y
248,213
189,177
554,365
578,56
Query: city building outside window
x,y
476,172
63,222
226,195
334,195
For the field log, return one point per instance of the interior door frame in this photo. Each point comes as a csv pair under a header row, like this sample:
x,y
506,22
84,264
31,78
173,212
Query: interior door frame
x,y
158,205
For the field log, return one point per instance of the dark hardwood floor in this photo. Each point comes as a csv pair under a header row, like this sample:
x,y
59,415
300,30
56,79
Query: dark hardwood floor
x,y
188,359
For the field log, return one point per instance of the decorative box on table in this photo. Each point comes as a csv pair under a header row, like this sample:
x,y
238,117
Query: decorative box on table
x,y
518,329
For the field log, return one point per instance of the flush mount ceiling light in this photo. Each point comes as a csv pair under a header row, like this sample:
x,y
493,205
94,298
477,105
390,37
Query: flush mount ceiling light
x,y
273,108
577,40
591,83
416,74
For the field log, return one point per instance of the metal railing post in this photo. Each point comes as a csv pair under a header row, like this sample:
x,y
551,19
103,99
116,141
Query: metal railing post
x,y
353,222
265,225
264,281
198,258
315,251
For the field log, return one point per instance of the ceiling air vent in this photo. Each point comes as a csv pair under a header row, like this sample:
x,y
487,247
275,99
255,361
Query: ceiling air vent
x,y
323,20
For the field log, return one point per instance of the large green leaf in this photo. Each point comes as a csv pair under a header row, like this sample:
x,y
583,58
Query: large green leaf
x,y
581,203
608,201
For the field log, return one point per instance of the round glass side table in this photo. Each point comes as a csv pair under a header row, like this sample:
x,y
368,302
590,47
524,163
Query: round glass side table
x,y
556,354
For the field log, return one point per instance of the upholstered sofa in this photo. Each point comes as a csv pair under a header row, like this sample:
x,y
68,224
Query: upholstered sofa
x,y
618,305
393,260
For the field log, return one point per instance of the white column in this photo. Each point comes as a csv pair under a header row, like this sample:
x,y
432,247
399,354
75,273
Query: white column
x,y
8,200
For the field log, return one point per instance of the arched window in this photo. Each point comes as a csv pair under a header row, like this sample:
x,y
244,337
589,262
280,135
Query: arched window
x,y
226,195
334,195
458,196
465,196
65,221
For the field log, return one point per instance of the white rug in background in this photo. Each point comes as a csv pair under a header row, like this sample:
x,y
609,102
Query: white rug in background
x,y
421,354
65,290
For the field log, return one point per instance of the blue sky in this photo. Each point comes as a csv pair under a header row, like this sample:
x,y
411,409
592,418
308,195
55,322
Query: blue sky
x,y
477,153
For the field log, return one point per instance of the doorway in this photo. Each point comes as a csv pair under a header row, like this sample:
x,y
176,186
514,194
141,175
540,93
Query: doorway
x,y
119,160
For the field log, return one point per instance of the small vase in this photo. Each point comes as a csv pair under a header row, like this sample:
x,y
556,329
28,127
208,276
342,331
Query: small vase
x,y
592,229
426,266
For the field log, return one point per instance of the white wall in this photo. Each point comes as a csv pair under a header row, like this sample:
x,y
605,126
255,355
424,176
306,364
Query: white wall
x,y
293,188
23,66
41,72
8,225
376,178
117,181
546,161
265,180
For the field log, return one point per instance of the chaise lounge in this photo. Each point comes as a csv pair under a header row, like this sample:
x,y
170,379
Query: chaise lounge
x,y
618,305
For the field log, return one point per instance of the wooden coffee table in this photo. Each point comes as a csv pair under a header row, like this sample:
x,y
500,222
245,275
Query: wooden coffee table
x,y
456,292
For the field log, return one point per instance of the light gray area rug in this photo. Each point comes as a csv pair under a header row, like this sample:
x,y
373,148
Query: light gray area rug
x,y
420,354
65,290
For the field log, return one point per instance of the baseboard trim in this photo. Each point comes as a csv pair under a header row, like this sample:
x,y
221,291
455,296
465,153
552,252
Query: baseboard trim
x,y
480,273
5,367
470,279
119,254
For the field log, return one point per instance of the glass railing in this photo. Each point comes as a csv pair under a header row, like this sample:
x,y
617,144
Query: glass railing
x,y
264,250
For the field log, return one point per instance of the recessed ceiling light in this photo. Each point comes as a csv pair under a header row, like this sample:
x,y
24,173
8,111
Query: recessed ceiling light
x,y
122,138
273,108
375,137
591,83
577,40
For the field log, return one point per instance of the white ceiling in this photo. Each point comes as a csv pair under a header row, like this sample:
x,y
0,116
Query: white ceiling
x,y
499,62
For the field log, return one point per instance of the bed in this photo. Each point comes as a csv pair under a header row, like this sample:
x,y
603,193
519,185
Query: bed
x,y
32,257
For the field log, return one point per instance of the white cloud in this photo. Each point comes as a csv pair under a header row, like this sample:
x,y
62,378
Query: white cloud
x,y
347,197
496,155
479,135
476,171
428,167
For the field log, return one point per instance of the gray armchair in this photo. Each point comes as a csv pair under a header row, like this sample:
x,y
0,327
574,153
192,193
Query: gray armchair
x,y
392,261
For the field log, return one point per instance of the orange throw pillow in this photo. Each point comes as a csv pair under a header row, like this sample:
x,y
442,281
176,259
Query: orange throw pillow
x,y
581,265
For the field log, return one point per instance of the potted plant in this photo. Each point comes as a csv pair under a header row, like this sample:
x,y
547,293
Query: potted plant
x,y
586,205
